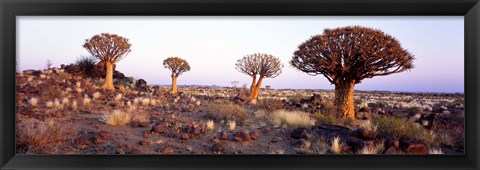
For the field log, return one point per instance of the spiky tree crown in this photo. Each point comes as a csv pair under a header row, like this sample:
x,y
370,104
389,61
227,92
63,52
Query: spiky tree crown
x,y
176,65
265,65
108,47
351,53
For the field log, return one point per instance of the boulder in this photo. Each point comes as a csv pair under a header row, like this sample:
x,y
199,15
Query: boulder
x,y
159,128
365,134
301,133
255,134
219,147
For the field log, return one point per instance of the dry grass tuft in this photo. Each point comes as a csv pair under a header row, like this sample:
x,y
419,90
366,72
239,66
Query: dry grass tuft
x,y
145,101
225,112
33,101
336,146
116,117
210,125
378,148
37,136
231,125
97,95
86,101
118,97
435,151
292,119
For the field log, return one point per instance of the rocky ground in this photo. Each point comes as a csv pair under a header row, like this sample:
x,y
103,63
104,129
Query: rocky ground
x,y
60,112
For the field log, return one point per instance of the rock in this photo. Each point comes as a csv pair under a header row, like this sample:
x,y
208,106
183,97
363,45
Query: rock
x,y
129,146
237,139
167,150
417,148
97,139
219,147
143,124
392,142
364,109
391,151
144,143
184,136
328,131
104,135
301,133
244,135
355,143
135,151
347,149
302,144
120,151
159,128
223,136
366,134
255,134
215,140
82,142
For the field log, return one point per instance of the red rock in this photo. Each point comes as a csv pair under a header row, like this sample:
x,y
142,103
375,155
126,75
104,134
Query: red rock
x,y
135,151
167,150
244,135
417,148
347,149
366,134
104,135
237,139
97,139
82,142
215,140
223,136
144,143
120,151
129,146
184,136
219,147
160,128
255,134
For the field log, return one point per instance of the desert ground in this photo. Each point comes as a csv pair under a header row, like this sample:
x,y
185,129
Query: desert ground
x,y
62,112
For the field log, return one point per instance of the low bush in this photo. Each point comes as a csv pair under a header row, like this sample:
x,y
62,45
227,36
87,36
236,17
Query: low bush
x,y
116,117
269,105
321,118
225,112
40,137
292,119
403,129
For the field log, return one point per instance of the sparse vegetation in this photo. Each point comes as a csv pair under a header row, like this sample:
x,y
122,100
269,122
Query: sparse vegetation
x,y
401,128
292,119
336,145
225,112
116,118
40,137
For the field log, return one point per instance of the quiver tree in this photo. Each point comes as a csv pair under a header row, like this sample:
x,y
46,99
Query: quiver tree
x,y
177,66
347,55
261,65
109,48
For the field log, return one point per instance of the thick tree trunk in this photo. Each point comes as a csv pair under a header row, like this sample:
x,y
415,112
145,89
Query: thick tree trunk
x,y
174,84
252,86
344,99
256,90
109,77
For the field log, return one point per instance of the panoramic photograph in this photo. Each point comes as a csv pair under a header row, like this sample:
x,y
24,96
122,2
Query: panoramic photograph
x,y
292,85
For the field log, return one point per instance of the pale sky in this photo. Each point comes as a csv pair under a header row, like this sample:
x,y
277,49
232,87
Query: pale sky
x,y
212,45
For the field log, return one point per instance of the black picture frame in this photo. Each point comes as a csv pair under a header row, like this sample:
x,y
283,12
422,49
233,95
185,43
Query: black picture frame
x,y
9,9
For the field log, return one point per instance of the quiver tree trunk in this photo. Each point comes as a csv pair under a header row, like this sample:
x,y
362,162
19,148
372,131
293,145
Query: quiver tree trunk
x,y
344,99
109,77
255,89
174,84
252,87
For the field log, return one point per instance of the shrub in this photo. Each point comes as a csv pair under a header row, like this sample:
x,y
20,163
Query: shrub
x,y
401,128
324,118
375,149
336,146
225,112
231,125
210,124
116,117
414,110
51,93
269,105
292,119
97,95
86,65
38,136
